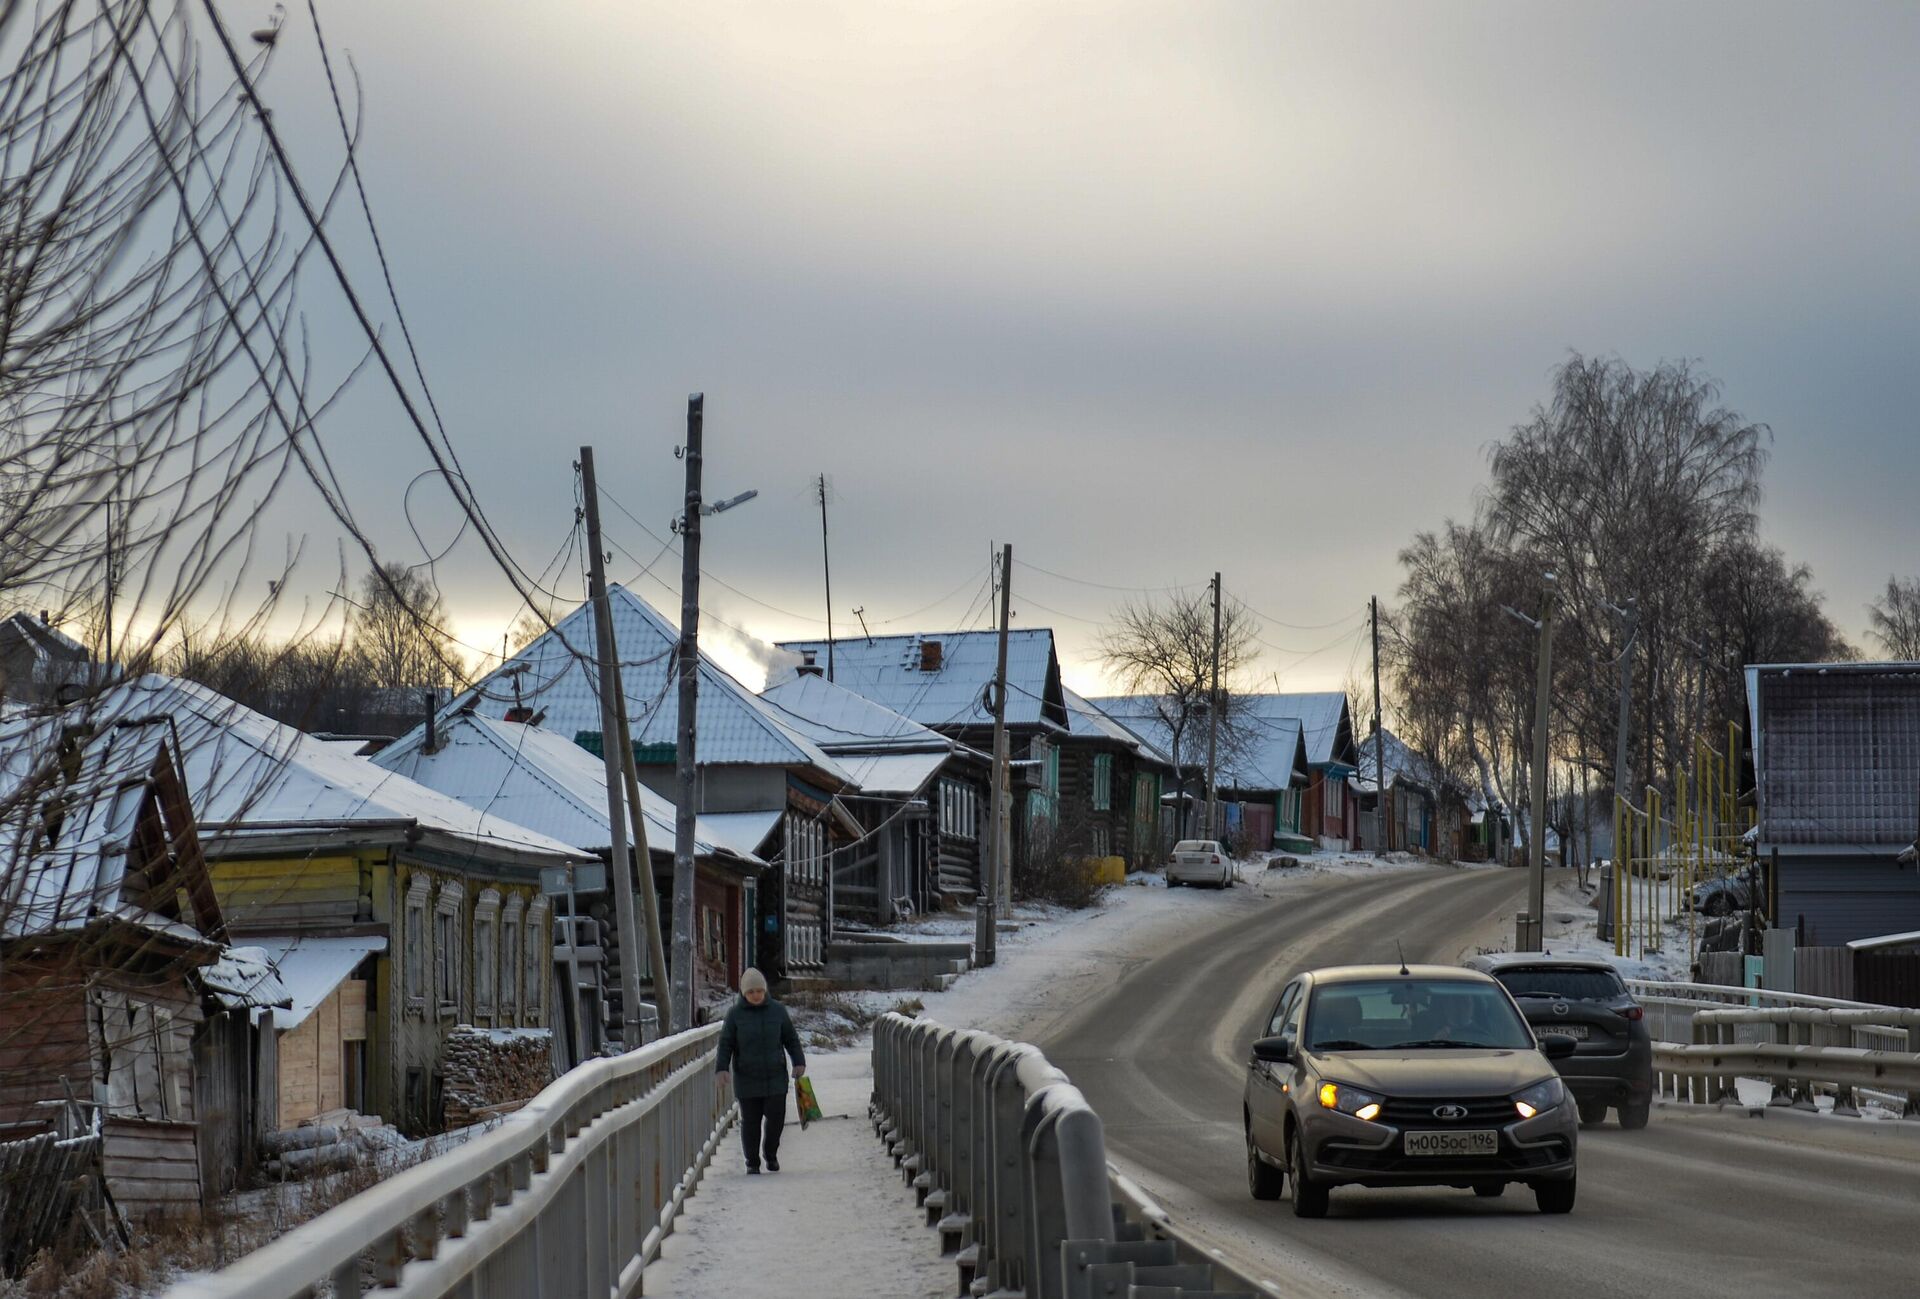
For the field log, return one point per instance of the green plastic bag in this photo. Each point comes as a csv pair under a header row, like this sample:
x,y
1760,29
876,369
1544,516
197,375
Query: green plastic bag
x,y
805,1101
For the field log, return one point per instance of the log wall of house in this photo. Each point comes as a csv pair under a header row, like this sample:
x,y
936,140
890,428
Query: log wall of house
x,y
304,892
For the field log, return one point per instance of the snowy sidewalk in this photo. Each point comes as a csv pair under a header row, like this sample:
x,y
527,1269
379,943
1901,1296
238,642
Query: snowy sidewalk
x,y
835,1220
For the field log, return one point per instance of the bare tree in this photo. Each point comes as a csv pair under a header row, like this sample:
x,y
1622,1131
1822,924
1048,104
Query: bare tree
x,y
1163,649
1894,619
399,631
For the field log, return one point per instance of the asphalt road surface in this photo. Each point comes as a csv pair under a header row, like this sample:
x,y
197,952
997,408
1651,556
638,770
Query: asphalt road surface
x,y
1700,1203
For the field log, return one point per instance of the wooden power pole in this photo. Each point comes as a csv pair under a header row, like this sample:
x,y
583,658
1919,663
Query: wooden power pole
x,y
618,868
826,568
689,668
997,883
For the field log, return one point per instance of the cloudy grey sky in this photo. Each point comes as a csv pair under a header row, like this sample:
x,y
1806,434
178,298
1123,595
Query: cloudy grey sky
x,y
1145,289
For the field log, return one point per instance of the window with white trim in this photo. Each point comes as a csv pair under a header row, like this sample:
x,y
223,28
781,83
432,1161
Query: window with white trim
x,y
417,956
959,810
447,901
1336,804
1102,783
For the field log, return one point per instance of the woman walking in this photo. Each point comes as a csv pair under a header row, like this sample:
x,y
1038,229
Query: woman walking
x,y
755,1043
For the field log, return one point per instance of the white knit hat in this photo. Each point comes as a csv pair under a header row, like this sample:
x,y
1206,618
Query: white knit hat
x,y
753,981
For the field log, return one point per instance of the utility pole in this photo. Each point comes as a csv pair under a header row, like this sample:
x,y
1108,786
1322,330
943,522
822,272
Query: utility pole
x,y
1379,743
1213,713
681,1017
642,854
826,567
997,900
610,738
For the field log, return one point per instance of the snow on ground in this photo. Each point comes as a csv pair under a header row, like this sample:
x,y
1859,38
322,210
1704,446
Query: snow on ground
x,y
1573,929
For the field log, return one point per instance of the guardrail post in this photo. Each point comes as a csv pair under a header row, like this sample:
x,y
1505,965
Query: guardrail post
x,y
1067,1184
1913,1048
959,1203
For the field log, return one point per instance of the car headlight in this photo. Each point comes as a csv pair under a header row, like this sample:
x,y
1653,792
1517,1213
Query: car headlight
x,y
1540,1097
1350,1100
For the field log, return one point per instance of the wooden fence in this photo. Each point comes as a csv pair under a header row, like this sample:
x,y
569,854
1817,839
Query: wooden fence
x,y
45,1181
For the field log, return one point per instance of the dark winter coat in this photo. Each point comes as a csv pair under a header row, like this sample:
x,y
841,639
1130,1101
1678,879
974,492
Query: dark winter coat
x,y
755,1044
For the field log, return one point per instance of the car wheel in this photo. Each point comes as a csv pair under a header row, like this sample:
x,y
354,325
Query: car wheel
x,y
1634,1114
1489,1190
1309,1196
1554,1197
1263,1179
1592,1112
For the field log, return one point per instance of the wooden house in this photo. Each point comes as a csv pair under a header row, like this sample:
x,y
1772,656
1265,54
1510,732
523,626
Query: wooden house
x,y
38,661
108,918
1116,777
1418,810
1264,772
434,908
1836,756
541,779
943,680
921,800
764,790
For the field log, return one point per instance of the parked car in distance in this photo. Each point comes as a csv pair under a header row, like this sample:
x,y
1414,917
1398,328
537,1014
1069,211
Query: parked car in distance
x,y
1200,861
1612,1061
1743,890
1376,1075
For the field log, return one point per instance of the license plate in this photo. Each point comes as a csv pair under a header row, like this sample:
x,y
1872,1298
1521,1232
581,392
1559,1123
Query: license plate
x,y
1564,1030
1452,1143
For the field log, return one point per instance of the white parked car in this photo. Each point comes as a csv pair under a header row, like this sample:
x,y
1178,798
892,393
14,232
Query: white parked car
x,y
1200,861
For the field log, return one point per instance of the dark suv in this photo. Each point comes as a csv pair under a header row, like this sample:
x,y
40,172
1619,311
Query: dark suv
x,y
1612,1060
1373,1075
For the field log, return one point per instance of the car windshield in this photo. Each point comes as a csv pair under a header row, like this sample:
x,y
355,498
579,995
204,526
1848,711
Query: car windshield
x,y
1196,845
1563,983
1413,1013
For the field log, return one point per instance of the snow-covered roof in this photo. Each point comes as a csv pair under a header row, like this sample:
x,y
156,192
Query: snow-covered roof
x,y
311,966
887,670
1265,752
840,720
558,679
46,642
1836,755
535,778
1403,764
1087,720
250,776
243,978
739,832
64,880
895,773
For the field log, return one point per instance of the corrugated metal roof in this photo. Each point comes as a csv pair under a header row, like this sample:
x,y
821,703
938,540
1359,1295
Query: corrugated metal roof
x,y
534,778
840,720
1266,750
63,885
742,832
556,675
1087,720
311,966
248,774
895,773
1837,755
1403,764
887,671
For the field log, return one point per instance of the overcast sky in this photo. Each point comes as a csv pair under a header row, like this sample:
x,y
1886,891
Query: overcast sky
x,y
1145,289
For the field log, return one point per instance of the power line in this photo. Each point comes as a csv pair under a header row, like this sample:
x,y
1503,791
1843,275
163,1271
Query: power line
x,y
1108,586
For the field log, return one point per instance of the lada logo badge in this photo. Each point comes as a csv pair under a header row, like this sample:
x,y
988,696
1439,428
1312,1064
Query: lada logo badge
x,y
1449,1111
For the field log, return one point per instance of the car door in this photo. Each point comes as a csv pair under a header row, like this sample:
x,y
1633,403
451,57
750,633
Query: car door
x,y
1266,1088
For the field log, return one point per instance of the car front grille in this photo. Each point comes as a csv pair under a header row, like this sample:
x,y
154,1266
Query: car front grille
x,y
1480,1111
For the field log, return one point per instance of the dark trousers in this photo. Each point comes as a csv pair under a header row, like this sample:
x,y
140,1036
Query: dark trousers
x,y
756,1111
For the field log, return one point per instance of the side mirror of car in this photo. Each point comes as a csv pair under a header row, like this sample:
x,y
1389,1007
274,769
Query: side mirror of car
x,y
1273,1050
1557,1046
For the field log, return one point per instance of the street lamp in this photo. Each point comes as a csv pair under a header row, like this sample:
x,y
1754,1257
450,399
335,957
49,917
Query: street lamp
x,y
1530,931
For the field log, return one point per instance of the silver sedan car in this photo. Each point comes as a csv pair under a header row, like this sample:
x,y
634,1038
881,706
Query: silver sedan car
x,y
1380,1075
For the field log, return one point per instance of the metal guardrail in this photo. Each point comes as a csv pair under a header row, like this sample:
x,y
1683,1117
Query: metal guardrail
x,y
569,1197
1009,1162
1797,1047
1670,1009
